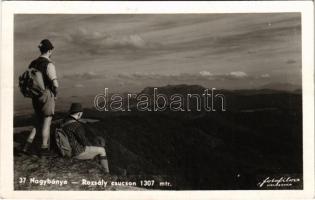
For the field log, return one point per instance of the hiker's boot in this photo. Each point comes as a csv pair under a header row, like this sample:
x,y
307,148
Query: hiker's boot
x,y
27,147
44,153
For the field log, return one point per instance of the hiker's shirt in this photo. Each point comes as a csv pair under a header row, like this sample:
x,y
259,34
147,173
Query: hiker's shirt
x,y
76,136
48,70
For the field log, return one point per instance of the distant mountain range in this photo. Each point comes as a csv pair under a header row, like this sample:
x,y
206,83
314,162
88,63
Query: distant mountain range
x,y
282,87
24,106
197,89
175,89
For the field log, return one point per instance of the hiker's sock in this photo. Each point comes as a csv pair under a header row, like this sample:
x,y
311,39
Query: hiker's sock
x,y
44,146
27,146
30,140
32,135
104,163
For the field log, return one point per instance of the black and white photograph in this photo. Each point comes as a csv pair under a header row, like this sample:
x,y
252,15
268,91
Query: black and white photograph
x,y
158,102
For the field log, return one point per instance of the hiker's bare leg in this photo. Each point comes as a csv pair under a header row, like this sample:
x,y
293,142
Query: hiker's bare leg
x,y
92,151
29,140
46,131
32,135
103,159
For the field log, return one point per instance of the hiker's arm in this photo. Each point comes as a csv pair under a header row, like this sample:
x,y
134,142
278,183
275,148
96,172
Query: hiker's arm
x,y
52,75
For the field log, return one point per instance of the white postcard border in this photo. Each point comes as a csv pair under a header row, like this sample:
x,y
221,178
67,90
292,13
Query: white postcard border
x,y
10,8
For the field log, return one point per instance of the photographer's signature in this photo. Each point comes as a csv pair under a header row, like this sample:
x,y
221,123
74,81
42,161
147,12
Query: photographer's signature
x,y
278,182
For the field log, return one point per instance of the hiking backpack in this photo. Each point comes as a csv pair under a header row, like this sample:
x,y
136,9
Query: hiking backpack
x,y
31,83
62,141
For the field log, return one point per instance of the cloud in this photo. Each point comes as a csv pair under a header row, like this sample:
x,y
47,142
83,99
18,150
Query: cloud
x,y
96,42
290,61
265,76
238,74
246,41
84,76
205,73
201,76
78,85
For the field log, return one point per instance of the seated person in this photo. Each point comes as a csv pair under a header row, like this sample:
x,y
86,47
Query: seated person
x,y
81,147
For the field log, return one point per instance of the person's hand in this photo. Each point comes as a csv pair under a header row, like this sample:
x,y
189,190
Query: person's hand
x,y
54,91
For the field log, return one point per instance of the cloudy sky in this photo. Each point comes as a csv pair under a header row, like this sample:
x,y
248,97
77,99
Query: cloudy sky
x,y
130,52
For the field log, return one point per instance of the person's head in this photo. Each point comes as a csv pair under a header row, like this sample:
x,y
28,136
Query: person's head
x,y
46,47
76,110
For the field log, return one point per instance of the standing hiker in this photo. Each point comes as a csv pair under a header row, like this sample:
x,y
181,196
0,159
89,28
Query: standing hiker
x,y
44,104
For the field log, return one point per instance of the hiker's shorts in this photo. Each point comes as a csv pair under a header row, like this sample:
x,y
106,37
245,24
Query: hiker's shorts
x,y
90,152
44,105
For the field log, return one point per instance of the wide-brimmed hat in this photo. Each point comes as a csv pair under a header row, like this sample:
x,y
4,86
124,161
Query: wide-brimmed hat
x,y
46,44
75,108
